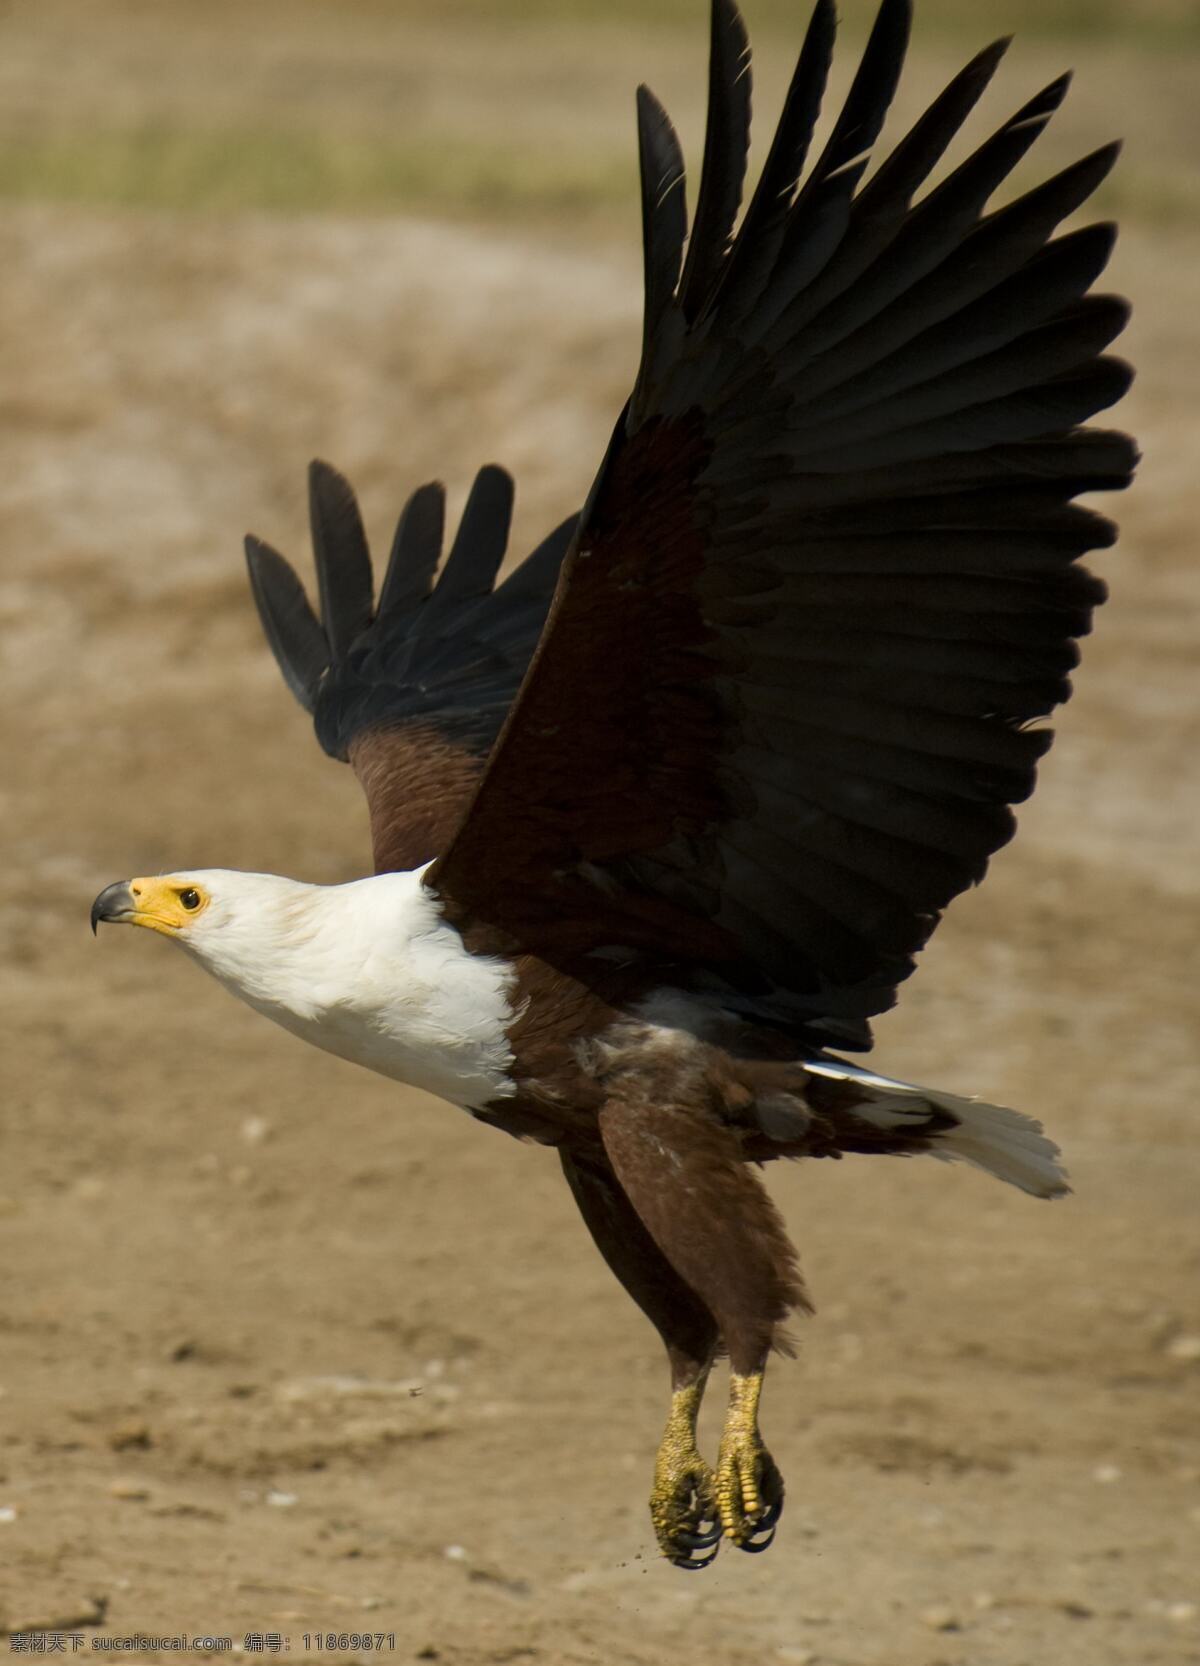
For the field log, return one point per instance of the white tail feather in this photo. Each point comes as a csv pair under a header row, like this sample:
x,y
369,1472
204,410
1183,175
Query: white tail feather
x,y
992,1137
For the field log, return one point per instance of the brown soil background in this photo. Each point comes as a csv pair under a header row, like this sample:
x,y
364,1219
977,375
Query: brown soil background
x,y
283,1348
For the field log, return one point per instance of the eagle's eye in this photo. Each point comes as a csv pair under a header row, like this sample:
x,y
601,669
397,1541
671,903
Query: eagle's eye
x,y
190,898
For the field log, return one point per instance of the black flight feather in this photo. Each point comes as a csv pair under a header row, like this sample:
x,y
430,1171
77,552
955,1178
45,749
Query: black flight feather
x,y
726,143
754,250
932,230
895,181
342,559
893,351
878,209
296,639
912,387
664,227
870,96
416,550
480,542
819,216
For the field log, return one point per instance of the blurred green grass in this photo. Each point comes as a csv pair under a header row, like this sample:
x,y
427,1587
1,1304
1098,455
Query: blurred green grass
x,y
502,109
158,166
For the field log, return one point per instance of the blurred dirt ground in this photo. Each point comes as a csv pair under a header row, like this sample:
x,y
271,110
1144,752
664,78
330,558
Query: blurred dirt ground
x,y
285,1349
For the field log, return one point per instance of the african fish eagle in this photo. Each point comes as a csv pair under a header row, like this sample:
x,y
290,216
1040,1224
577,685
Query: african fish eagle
x,y
666,815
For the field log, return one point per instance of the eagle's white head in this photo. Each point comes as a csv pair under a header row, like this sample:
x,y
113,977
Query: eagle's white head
x,y
369,970
244,927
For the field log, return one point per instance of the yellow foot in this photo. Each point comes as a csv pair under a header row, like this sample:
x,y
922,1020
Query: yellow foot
x,y
749,1486
683,1504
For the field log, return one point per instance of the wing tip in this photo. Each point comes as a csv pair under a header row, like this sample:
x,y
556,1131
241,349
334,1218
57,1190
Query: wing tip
x,y
344,578
478,549
320,471
293,633
415,552
649,104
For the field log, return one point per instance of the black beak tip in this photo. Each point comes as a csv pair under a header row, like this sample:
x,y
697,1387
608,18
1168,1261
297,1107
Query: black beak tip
x,y
113,902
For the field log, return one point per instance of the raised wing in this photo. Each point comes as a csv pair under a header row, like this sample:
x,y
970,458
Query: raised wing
x,y
827,576
411,691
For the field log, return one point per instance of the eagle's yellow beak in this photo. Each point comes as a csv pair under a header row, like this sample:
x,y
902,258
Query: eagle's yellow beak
x,y
165,904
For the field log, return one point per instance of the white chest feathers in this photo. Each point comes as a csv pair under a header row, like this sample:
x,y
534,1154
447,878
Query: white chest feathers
x,y
370,971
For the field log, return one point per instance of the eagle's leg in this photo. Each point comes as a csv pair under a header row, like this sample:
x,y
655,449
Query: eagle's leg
x,y
682,1502
749,1486
683,1173
683,1505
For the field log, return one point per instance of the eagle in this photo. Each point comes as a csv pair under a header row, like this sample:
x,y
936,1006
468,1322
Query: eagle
x,y
662,820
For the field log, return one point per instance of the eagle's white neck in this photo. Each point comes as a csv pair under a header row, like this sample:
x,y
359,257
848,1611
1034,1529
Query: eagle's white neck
x,y
370,971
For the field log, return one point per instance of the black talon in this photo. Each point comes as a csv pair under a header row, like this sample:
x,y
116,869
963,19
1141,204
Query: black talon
x,y
700,1540
769,1516
754,1546
692,1564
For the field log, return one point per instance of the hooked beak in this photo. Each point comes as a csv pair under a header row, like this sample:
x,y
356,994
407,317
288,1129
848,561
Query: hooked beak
x,y
115,902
